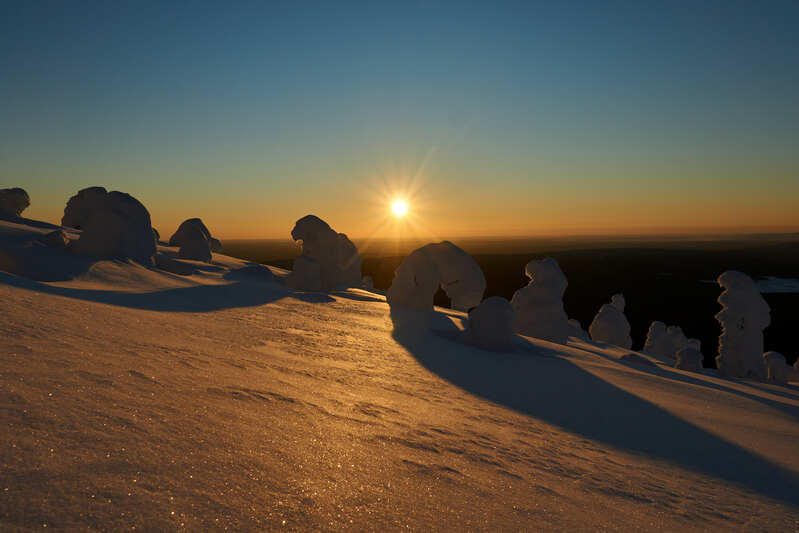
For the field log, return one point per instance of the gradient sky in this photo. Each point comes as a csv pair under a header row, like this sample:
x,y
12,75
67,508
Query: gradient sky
x,y
493,118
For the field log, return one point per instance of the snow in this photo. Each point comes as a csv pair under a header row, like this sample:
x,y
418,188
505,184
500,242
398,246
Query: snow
x,y
490,325
221,399
436,265
113,225
194,240
689,358
328,261
743,317
538,307
776,367
610,326
13,202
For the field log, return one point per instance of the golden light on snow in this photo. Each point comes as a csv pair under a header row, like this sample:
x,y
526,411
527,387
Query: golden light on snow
x,y
399,208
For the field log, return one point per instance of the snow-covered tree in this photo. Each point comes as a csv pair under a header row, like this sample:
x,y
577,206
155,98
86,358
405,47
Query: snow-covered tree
x,y
743,317
538,307
610,325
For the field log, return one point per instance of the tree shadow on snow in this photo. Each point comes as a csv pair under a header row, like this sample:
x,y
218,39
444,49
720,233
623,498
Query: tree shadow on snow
x,y
194,299
717,383
553,389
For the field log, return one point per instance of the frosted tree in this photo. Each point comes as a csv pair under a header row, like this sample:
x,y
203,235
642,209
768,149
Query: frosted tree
x,y
610,325
328,260
13,202
436,265
689,358
743,317
538,307
776,367
490,325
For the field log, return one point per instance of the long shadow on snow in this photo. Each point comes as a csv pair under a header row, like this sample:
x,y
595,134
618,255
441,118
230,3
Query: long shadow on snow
x,y
672,374
196,299
555,390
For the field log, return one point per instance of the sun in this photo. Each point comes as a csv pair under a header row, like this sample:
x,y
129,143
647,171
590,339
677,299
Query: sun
x,y
399,208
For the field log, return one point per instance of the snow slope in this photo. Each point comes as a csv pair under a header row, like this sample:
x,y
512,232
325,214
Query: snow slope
x,y
134,398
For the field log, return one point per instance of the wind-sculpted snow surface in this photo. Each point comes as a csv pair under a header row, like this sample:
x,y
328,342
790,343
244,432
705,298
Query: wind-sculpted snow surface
x,y
490,325
743,317
435,265
13,202
538,307
776,368
610,325
114,225
195,240
328,261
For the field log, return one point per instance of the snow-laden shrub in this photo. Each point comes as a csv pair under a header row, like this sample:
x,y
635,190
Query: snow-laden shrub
x,y
689,358
442,264
195,240
190,234
576,329
610,325
538,307
328,260
743,317
490,325
776,367
114,225
13,202
666,341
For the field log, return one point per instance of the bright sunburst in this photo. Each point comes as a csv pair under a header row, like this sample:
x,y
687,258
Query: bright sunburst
x,y
399,208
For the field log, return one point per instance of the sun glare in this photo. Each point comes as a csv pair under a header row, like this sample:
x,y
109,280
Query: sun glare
x,y
399,208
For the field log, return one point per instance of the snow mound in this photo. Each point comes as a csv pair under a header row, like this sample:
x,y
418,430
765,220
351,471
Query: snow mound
x,y
55,239
328,260
114,225
689,358
538,307
195,240
610,325
743,317
490,325
576,329
442,264
776,367
13,202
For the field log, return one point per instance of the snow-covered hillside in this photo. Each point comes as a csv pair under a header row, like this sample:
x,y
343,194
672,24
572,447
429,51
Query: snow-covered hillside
x,y
132,397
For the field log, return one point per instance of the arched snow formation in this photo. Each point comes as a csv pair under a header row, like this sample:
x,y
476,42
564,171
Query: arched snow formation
x,y
436,265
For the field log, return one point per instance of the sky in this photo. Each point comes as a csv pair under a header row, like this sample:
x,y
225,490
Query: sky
x,y
488,118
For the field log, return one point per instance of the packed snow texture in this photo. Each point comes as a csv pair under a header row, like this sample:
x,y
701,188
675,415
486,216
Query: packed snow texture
x,y
132,398
776,367
538,307
328,261
114,225
743,317
490,325
610,325
689,358
13,202
195,240
436,265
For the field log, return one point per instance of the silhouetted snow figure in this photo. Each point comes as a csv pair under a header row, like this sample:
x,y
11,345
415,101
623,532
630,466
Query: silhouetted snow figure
x,y
328,261
188,231
657,341
538,307
610,325
442,264
743,317
490,325
55,239
13,202
80,207
367,283
156,235
576,329
776,367
115,225
689,358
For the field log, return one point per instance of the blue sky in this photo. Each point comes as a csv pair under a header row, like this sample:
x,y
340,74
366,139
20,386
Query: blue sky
x,y
514,117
